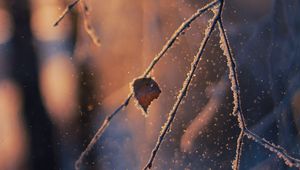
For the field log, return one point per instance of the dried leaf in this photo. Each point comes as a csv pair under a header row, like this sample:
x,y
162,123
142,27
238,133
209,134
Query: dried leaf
x,y
145,90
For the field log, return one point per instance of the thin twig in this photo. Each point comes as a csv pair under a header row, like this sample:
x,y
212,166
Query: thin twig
x,y
185,25
182,93
279,151
65,12
87,24
99,133
86,19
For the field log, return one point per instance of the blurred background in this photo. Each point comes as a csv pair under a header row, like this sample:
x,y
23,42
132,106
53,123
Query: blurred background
x,y
56,86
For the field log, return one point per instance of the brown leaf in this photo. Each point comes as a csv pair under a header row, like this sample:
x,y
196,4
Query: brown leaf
x,y
145,90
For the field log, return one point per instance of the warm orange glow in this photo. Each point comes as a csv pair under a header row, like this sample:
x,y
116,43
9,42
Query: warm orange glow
x,y
43,16
6,28
59,86
13,143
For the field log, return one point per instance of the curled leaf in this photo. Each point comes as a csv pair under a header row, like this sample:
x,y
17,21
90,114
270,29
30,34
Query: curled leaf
x,y
145,90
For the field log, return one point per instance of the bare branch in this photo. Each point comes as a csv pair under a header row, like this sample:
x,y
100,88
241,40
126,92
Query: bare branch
x,y
65,12
87,24
278,150
99,133
86,19
185,25
182,92
237,111
233,76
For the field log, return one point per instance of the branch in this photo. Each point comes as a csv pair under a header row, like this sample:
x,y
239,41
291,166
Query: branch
x,y
65,12
233,76
183,91
99,133
86,19
278,150
237,111
87,24
185,25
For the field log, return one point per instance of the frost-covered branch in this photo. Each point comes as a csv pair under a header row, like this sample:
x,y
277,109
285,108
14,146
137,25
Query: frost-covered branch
x,y
233,76
278,150
99,133
183,90
237,110
185,25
